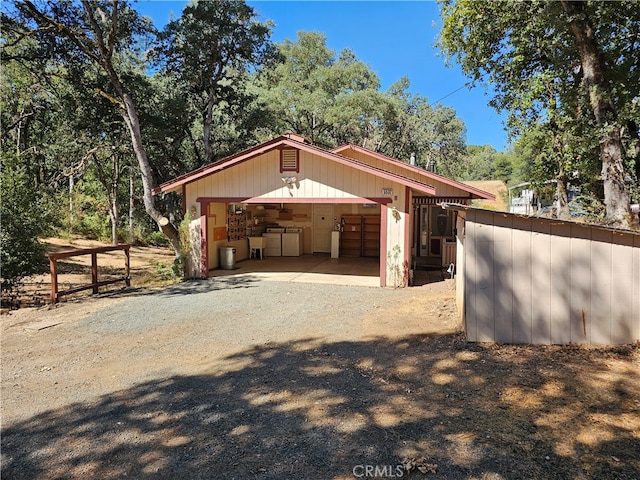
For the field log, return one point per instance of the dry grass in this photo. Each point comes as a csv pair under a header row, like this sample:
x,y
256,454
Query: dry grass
x,y
495,187
149,267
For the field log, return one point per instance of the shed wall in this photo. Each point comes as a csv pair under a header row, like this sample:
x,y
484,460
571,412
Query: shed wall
x,y
529,280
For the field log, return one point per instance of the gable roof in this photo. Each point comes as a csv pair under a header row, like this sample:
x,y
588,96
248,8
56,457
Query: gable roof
x,y
293,142
427,175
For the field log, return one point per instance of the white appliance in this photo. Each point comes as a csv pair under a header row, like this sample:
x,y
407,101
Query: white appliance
x,y
335,244
274,243
292,242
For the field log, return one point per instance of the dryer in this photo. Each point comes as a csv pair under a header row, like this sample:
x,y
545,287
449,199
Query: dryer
x,y
292,242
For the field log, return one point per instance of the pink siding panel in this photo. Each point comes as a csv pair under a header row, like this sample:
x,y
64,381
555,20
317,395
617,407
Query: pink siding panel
x,y
470,266
601,287
522,291
580,294
560,299
485,274
541,282
503,278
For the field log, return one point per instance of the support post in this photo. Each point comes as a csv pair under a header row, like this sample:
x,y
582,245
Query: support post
x,y
53,267
94,272
127,278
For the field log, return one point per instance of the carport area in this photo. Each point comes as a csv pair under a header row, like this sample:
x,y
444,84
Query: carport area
x,y
317,268
321,269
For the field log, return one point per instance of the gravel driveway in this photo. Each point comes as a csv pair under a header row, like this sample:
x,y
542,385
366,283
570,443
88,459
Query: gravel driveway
x,y
243,378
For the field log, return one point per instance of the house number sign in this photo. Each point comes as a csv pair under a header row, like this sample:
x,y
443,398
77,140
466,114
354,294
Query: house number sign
x,y
387,191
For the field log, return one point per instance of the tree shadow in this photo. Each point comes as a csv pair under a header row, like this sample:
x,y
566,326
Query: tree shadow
x,y
309,409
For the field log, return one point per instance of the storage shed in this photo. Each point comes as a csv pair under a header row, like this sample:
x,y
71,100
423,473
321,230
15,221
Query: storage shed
x,y
349,199
535,280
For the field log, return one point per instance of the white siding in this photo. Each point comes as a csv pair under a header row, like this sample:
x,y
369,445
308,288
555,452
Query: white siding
x,y
260,177
442,188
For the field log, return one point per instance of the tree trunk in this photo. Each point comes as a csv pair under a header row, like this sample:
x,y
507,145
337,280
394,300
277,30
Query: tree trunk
x,y
616,194
562,198
130,117
131,204
113,215
206,129
98,47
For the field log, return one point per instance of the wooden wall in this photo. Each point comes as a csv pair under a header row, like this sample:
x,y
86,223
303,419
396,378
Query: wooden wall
x,y
319,178
443,189
540,281
261,178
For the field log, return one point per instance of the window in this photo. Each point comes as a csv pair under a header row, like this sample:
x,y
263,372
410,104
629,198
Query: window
x,y
289,160
441,222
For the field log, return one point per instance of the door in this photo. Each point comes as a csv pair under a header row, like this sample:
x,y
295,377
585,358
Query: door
x,y
323,225
435,226
423,231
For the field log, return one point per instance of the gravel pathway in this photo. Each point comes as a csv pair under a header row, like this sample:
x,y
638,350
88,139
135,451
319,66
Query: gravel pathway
x,y
74,375
241,378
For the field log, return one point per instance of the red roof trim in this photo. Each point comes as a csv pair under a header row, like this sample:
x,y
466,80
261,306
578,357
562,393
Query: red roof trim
x,y
421,171
276,142
288,200
217,166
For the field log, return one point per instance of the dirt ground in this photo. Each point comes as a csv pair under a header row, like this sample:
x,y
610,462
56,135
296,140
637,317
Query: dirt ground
x,y
149,266
275,380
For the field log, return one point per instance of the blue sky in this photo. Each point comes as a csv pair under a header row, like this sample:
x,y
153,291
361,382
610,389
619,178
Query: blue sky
x,y
395,39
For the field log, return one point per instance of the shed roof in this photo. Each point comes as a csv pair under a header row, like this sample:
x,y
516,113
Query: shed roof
x,y
465,208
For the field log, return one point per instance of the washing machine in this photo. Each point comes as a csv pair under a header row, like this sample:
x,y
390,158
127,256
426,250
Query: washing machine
x,y
273,247
292,242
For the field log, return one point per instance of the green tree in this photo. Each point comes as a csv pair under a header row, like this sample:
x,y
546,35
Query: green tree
x,y
315,94
564,64
102,35
25,217
478,163
210,49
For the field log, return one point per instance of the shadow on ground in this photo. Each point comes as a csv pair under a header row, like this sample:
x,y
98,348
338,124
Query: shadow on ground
x,y
311,410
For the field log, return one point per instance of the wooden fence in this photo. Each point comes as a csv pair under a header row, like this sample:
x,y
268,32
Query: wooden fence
x,y
53,264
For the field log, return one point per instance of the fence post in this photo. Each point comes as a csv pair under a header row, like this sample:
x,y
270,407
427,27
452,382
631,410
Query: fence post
x,y
94,271
127,278
53,267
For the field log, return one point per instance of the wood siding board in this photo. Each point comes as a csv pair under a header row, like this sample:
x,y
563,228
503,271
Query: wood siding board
x,y
560,292
635,298
471,262
580,295
522,291
326,173
383,244
485,275
331,179
503,278
316,168
460,264
621,292
541,282
601,284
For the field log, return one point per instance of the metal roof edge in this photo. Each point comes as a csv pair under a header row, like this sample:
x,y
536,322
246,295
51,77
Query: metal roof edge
x,y
434,176
461,207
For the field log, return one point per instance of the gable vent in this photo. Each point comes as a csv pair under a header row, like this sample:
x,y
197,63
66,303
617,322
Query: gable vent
x,y
289,160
